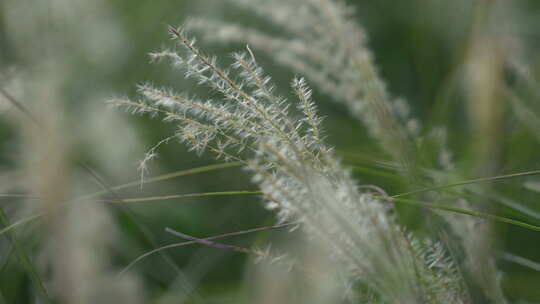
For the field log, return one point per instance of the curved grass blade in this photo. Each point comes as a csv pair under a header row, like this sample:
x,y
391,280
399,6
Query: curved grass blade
x,y
225,235
492,217
520,261
513,205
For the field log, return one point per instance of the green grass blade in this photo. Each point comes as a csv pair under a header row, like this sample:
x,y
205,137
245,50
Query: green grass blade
x,y
9,227
355,158
187,195
24,259
128,185
164,177
492,217
9,196
520,261
470,181
376,172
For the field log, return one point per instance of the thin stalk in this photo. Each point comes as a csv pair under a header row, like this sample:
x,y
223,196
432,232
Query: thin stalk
x,y
20,107
155,179
225,235
376,172
207,242
187,195
10,227
166,176
470,181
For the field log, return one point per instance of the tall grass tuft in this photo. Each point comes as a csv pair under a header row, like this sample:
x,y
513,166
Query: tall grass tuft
x,y
299,174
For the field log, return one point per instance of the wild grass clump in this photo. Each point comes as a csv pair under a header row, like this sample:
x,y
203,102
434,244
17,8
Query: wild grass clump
x,y
282,143
299,174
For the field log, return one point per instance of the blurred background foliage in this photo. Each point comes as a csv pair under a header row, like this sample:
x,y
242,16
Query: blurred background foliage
x,y
61,59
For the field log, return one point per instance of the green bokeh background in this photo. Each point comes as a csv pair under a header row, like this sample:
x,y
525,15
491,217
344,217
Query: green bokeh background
x,y
418,46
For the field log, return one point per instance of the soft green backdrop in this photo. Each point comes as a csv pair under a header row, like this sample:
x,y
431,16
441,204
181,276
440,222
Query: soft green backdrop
x,y
99,50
